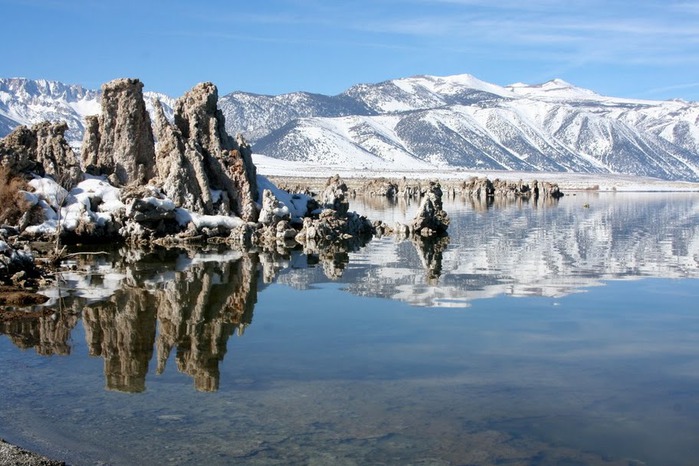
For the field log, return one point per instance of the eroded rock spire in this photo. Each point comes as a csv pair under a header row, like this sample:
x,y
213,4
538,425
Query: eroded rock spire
x,y
119,142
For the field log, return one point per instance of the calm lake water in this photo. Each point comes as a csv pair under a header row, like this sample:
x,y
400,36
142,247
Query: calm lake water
x,y
548,334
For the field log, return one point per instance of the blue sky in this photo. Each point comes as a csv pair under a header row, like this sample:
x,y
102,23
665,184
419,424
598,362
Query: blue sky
x,y
645,49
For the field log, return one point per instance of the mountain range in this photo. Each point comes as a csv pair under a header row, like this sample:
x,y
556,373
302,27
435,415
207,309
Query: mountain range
x,y
427,122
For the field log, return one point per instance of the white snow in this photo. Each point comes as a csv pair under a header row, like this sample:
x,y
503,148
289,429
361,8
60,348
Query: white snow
x,y
269,166
296,204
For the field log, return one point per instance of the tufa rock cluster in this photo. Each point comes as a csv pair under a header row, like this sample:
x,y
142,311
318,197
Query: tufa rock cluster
x,y
41,150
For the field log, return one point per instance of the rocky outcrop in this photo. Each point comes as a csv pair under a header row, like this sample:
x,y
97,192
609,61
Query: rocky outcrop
x,y
18,266
431,219
483,188
331,227
380,187
272,211
119,143
335,195
55,155
199,165
18,151
41,150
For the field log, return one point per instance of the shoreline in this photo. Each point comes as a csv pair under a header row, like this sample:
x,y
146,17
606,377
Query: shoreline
x,y
12,455
300,173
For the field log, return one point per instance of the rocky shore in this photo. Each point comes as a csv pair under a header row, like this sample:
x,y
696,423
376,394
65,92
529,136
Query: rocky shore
x,y
11,455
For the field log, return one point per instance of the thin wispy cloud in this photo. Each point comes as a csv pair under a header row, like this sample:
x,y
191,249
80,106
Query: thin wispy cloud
x,y
508,40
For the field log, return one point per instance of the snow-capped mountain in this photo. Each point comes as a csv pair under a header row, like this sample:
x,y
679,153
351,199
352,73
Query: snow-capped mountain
x,y
460,121
27,102
427,121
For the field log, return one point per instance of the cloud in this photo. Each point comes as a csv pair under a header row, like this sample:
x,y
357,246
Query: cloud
x,y
673,88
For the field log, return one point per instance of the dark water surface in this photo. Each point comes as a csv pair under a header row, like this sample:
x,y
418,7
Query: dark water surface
x,y
561,334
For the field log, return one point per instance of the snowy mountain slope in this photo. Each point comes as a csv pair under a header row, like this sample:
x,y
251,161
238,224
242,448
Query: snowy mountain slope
x,y
454,121
460,121
256,115
27,102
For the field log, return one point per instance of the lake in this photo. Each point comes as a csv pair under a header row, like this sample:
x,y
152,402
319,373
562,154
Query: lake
x,y
551,333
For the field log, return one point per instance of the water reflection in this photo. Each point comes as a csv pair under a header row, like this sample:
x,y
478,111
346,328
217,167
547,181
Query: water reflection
x,y
46,331
198,312
520,248
135,304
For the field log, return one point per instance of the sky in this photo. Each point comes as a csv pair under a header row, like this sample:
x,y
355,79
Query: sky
x,y
645,49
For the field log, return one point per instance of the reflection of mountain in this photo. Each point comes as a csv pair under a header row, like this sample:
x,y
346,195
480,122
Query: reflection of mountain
x,y
522,249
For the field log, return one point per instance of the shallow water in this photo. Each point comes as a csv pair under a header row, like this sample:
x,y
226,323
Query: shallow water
x,y
561,333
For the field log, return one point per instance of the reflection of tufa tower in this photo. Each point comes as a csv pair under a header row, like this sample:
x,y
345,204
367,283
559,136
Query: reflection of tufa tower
x,y
47,333
200,310
122,331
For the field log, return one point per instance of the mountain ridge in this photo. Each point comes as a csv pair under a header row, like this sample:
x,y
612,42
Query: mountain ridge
x,y
454,121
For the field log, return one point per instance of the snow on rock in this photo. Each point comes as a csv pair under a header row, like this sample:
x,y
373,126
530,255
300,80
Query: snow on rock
x,y
297,204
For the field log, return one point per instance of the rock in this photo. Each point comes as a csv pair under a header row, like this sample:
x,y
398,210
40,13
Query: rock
x,y
380,187
10,454
334,195
272,210
41,150
148,214
55,155
196,157
18,151
180,167
16,265
479,188
484,189
120,141
431,219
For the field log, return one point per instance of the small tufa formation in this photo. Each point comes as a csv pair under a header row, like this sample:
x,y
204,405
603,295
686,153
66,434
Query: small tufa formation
x,y
41,150
272,211
483,188
119,142
334,195
380,187
199,165
431,219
